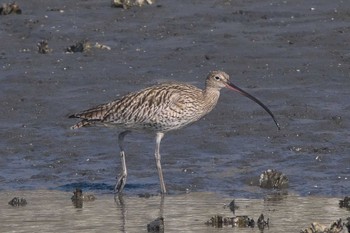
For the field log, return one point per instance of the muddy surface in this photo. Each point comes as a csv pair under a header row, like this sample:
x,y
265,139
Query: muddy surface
x,y
292,55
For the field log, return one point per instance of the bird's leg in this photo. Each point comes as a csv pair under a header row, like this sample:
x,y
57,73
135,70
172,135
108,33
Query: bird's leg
x,y
122,176
159,166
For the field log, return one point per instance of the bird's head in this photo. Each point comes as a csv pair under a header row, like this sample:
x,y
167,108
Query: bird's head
x,y
219,79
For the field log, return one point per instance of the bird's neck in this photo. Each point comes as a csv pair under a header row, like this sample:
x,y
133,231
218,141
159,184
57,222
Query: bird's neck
x,y
211,97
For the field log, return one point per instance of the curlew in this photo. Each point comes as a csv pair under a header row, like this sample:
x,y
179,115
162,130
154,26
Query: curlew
x,y
159,109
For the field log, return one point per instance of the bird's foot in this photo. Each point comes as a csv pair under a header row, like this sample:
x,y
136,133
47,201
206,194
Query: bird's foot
x,y
120,184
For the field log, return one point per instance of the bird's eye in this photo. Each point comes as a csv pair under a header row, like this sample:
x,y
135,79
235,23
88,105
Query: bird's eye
x,y
217,77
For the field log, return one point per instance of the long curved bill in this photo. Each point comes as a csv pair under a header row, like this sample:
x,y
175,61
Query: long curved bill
x,y
239,90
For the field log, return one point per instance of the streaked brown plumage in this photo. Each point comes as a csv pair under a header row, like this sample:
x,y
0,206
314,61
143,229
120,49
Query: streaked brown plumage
x,y
160,108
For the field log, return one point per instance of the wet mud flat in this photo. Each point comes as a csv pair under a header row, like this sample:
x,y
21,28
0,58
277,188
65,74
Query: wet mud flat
x,y
53,211
292,55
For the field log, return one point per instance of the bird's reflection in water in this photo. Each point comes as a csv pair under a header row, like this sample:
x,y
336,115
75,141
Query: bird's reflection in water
x,y
158,223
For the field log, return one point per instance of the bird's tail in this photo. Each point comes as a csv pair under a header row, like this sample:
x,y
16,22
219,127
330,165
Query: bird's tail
x,y
91,116
82,124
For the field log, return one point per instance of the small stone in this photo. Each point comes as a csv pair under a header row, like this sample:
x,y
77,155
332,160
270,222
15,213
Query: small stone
x,y
219,221
16,202
156,225
43,47
347,224
336,227
89,197
262,223
79,47
78,198
126,4
215,221
345,203
101,46
243,221
337,119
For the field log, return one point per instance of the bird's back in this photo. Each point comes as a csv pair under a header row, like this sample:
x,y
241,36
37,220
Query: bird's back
x,y
161,108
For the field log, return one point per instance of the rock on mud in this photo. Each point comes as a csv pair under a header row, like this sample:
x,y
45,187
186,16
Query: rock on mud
x,y
262,223
126,4
79,47
43,47
10,8
345,203
219,221
84,46
17,201
78,198
273,179
156,225
335,227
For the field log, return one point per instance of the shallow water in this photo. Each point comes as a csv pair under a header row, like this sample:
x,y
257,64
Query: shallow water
x,y
292,55
52,211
